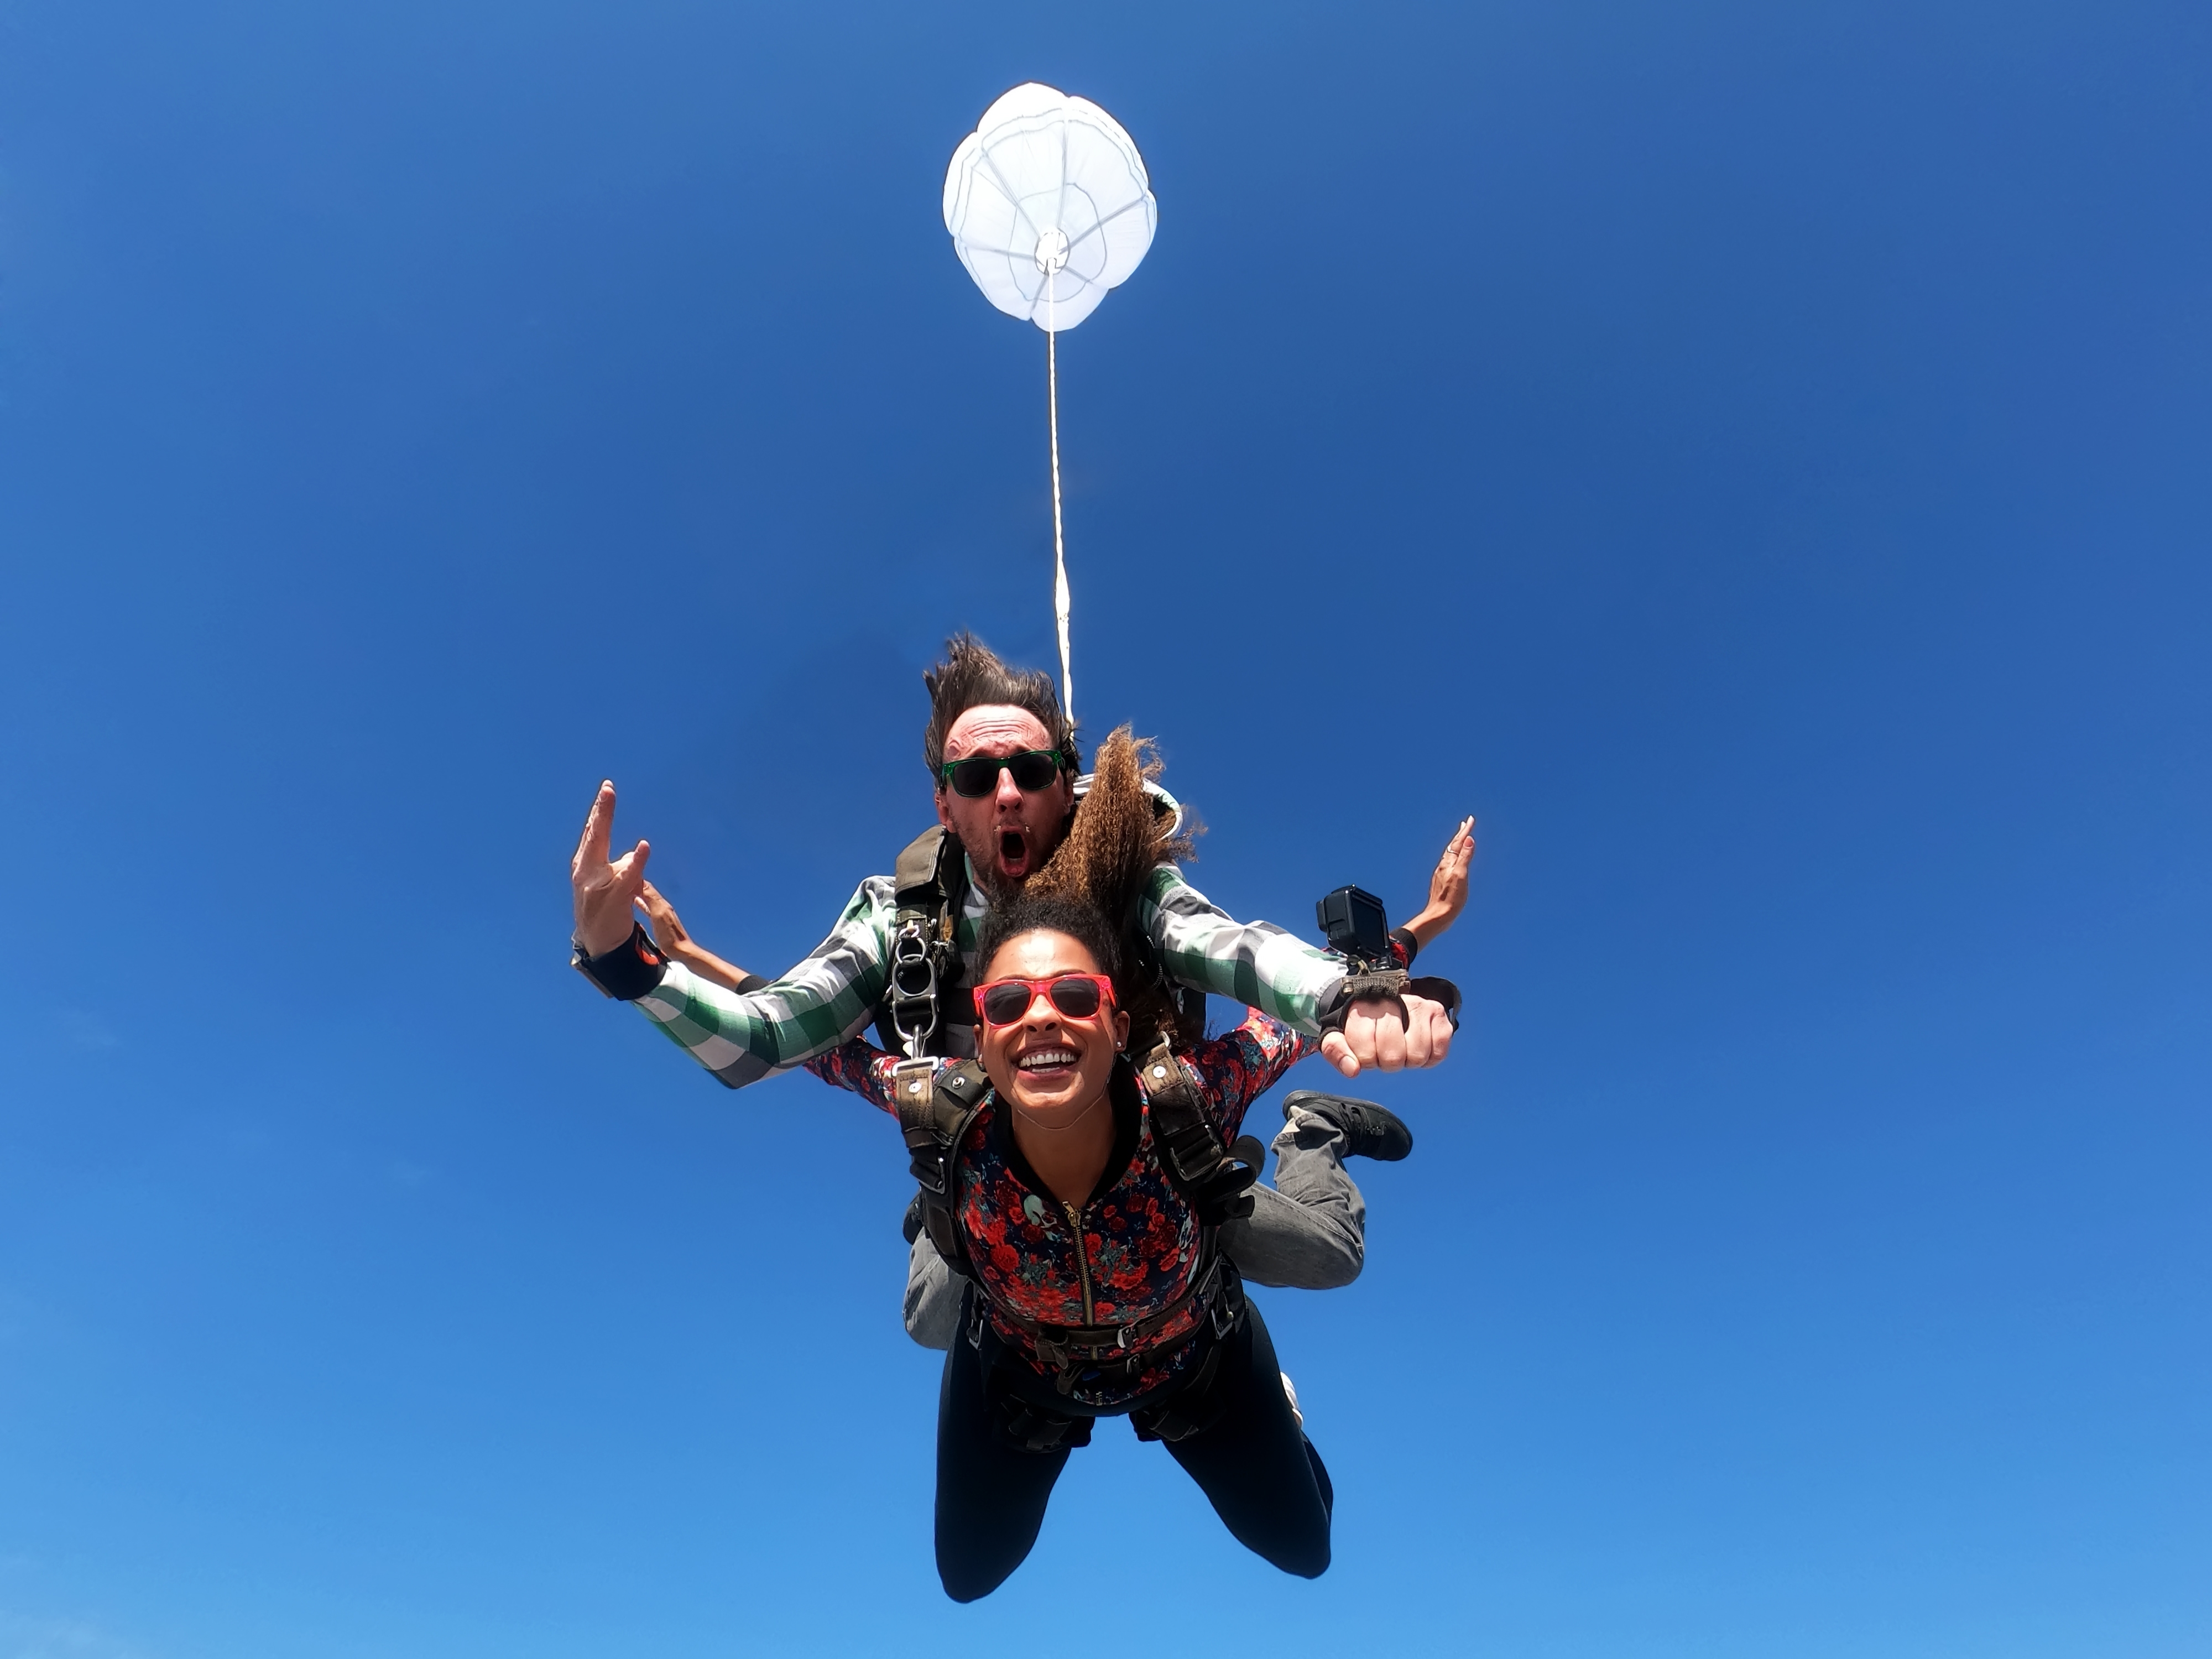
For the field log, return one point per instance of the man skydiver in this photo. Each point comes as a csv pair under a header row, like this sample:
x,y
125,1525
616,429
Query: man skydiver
x,y
1003,756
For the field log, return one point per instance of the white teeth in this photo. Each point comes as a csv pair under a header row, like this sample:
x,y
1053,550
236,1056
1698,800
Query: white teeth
x,y
1046,1057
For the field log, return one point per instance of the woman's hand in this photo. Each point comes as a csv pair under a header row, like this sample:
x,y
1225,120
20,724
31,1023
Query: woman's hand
x,y
1447,886
676,942
661,920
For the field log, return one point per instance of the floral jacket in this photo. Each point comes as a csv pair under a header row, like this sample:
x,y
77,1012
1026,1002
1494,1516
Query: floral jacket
x,y
1131,1249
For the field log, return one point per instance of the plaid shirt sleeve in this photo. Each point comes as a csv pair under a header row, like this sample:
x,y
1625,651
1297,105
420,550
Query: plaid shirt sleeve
x,y
827,998
1256,962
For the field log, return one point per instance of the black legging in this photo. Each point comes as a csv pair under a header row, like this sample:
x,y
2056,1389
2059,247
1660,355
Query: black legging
x,y
1255,1466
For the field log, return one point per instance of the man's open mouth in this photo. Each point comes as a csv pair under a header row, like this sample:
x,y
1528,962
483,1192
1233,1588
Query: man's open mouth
x,y
1013,852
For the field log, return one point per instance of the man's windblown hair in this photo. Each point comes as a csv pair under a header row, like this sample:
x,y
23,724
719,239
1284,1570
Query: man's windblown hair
x,y
972,677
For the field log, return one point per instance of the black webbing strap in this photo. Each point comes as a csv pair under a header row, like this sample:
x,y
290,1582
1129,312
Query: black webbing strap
x,y
1391,985
1439,989
1113,1352
934,1114
1217,1184
930,879
1193,1408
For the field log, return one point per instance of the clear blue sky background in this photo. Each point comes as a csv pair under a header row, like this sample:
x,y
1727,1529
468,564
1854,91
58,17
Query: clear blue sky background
x,y
1754,457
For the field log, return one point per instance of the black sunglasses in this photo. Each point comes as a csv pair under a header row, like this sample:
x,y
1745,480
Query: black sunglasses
x,y
978,775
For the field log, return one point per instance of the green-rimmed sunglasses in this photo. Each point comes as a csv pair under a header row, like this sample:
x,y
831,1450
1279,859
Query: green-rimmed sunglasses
x,y
978,775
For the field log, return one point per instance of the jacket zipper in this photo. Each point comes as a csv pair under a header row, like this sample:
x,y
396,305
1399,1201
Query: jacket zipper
x,y
1081,1265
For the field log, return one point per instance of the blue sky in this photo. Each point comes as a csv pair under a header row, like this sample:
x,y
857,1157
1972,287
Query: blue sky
x,y
1755,458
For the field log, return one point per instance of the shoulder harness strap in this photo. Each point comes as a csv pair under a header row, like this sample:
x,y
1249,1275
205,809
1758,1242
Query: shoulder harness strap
x,y
934,1116
1216,1183
931,879
1144,962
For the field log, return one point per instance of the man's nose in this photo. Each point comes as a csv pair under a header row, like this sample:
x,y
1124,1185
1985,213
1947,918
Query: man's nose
x,y
1010,795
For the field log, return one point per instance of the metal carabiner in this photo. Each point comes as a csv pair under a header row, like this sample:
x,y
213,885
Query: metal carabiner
x,y
914,980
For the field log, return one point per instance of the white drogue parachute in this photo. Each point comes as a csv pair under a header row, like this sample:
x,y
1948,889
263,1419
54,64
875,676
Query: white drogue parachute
x,y
1049,206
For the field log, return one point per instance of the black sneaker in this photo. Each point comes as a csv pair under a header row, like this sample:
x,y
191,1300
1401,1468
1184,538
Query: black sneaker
x,y
1369,1131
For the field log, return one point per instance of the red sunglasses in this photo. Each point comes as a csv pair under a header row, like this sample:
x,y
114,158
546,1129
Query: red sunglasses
x,y
1078,996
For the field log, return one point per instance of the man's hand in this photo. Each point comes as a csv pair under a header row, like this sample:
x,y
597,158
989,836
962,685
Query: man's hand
x,y
1373,1035
604,891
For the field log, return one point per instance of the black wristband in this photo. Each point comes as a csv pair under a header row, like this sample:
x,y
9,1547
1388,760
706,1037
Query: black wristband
x,y
632,969
1408,946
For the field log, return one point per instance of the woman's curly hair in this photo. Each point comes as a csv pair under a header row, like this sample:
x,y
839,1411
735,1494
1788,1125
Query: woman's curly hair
x,y
1102,864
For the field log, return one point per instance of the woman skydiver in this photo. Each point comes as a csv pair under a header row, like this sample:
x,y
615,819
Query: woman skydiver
x,y
1096,1288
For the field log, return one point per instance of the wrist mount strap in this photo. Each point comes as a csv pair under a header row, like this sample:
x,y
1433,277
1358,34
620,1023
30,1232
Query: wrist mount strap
x,y
1388,983
632,969
1439,990
1392,985
1408,946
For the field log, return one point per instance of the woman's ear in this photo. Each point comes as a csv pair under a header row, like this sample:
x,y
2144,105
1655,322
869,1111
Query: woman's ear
x,y
1120,1030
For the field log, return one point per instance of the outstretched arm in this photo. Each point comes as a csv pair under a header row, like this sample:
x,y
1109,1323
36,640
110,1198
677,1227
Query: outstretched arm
x,y
868,1071
1238,1066
1447,887
676,943
1262,967
738,1036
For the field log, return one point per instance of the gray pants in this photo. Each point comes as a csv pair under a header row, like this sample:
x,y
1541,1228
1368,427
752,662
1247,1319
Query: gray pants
x,y
1307,1232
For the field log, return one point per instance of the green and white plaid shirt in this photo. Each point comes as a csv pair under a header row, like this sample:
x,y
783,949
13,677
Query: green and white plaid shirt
x,y
834,993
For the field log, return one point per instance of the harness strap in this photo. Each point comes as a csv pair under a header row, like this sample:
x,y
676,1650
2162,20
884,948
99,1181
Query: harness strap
x,y
934,1119
1118,1351
1191,1409
930,879
1217,1184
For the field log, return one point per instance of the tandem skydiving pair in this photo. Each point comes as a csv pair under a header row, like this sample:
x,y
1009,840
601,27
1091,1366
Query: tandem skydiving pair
x,y
1035,969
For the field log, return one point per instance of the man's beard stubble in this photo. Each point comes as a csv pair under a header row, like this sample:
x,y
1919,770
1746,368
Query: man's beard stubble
x,y
984,862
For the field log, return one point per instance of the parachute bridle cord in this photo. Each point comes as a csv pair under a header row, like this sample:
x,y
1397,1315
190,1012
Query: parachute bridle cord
x,y
1051,256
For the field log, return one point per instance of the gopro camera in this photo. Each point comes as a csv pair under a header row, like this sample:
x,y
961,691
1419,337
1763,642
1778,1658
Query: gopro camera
x,y
1353,923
